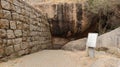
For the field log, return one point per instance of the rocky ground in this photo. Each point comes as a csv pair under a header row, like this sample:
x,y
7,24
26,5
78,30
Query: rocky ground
x,y
62,58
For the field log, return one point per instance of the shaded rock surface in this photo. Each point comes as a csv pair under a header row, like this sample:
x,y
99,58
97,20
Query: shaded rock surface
x,y
67,20
59,42
75,20
75,45
70,19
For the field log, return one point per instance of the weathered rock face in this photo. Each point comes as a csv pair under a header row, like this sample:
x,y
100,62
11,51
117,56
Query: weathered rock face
x,y
51,1
75,20
64,18
65,21
69,19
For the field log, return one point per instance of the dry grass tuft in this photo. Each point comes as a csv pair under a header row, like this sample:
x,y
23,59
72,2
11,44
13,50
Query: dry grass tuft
x,y
96,6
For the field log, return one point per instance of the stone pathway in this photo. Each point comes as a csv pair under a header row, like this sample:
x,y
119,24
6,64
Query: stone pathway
x,y
53,58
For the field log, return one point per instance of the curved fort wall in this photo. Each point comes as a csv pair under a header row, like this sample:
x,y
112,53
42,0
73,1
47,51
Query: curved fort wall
x,y
23,29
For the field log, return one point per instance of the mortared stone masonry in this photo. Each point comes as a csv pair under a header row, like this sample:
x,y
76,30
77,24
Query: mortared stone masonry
x,y
23,29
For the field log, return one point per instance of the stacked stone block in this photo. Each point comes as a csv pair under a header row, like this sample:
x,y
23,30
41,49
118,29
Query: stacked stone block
x,y
23,29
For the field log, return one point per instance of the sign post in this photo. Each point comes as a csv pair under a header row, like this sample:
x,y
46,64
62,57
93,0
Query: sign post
x,y
91,44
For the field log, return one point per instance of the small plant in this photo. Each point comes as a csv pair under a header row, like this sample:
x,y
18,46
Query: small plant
x,y
105,9
102,5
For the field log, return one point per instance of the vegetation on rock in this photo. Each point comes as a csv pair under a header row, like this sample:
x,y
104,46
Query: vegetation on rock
x,y
108,12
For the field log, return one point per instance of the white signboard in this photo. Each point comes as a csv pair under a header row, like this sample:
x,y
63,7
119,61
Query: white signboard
x,y
92,39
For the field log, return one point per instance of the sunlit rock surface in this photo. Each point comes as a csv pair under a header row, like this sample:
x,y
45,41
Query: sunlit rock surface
x,y
108,40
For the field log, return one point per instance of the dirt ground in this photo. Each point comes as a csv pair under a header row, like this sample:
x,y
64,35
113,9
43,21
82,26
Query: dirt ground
x,y
56,58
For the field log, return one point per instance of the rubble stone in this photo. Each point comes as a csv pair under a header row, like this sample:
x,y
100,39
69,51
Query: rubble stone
x,y
12,24
10,34
18,33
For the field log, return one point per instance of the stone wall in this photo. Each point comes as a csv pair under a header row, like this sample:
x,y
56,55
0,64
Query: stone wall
x,y
52,1
23,29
